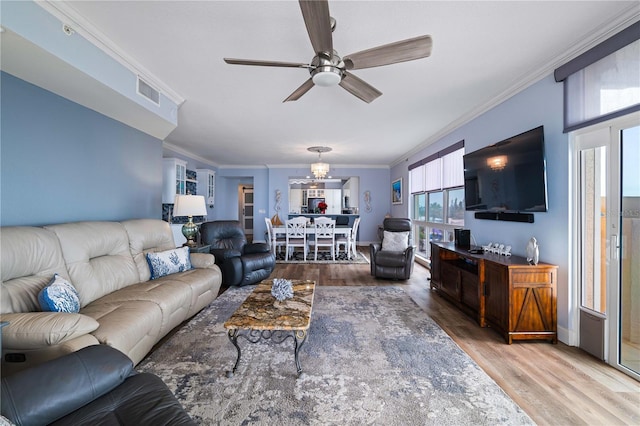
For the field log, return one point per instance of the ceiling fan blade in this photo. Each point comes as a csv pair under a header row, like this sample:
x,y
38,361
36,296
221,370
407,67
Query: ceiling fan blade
x,y
318,21
392,53
359,88
297,94
265,63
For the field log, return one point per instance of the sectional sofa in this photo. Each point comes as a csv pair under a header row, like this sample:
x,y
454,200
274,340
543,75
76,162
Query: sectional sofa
x,y
107,264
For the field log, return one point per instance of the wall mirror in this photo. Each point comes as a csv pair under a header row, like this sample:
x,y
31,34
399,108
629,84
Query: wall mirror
x,y
339,194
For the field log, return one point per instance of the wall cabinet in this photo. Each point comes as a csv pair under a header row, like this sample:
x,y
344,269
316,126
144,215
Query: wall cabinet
x,y
207,185
174,179
504,292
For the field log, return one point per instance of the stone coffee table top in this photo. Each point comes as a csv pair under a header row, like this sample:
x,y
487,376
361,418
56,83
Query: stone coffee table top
x,y
261,311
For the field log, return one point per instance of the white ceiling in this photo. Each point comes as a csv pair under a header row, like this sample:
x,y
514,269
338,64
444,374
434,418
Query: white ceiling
x,y
234,115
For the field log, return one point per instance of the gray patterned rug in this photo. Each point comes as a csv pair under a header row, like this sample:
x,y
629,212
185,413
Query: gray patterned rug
x,y
372,357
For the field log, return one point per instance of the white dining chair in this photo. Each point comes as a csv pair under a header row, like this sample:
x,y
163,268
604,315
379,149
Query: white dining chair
x,y
348,241
353,238
296,235
275,242
324,229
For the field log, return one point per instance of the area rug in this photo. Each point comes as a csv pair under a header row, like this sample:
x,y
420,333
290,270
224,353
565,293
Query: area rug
x,y
323,257
372,357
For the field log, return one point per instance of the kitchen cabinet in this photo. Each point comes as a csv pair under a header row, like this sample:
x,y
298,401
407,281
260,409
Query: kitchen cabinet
x,y
174,179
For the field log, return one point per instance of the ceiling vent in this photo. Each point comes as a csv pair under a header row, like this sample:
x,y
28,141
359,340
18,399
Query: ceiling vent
x,y
144,89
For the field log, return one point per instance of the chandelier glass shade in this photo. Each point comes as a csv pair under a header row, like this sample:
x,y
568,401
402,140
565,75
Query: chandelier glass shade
x,y
319,169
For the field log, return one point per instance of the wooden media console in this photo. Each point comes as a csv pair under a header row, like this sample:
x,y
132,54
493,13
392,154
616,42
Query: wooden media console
x,y
507,293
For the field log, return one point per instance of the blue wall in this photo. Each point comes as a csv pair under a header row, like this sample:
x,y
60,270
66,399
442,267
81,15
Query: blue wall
x,y
539,104
62,162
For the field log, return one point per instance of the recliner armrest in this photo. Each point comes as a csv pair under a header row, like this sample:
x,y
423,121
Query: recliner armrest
x,y
49,391
223,254
256,248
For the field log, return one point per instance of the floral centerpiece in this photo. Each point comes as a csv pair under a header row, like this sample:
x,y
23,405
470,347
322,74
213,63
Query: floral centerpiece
x,y
322,206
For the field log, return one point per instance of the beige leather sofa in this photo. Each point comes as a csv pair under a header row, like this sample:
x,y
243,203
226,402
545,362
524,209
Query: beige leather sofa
x,y
106,262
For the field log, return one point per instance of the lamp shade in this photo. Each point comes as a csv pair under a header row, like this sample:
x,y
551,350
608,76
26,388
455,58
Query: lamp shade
x,y
189,205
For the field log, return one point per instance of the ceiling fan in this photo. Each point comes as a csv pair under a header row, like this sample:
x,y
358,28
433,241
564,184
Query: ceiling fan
x,y
328,69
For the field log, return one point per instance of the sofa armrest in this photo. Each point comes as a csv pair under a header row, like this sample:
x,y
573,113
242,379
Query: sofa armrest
x,y
256,248
49,391
202,260
33,330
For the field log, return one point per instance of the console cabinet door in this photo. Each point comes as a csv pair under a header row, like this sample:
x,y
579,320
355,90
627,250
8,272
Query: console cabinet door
x,y
496,295
533,301
450,280
469,290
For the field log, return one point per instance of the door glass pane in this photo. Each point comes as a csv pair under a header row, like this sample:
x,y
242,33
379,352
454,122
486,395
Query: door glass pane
x,y
630,251
594,214
421,242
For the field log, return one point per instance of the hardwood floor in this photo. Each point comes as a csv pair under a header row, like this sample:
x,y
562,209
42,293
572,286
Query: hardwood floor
x,y
554,384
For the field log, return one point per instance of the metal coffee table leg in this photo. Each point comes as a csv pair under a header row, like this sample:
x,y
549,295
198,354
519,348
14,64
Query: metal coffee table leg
x,y
299,337
233,336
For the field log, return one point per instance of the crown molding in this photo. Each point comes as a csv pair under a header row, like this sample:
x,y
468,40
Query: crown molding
x,y
70,16
595,37
182,151
331,165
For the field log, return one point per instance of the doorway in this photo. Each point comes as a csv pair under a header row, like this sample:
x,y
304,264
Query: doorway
x,y
607,241
246,210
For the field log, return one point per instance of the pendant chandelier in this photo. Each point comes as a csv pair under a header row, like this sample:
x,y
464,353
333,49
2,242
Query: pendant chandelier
x,y
319,169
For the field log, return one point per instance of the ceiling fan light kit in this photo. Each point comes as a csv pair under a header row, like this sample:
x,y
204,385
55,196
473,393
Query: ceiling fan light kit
x,y
328,69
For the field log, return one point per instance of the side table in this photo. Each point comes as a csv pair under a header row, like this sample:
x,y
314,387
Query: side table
x,y
200,248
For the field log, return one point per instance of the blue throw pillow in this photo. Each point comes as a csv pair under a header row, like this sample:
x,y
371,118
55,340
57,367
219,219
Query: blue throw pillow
x,y
59,296
168,262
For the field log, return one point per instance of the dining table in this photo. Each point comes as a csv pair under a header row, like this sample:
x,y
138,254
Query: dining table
x,y
310,230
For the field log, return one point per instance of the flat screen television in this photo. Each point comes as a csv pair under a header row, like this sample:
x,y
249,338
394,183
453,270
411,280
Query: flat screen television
x,y
509,176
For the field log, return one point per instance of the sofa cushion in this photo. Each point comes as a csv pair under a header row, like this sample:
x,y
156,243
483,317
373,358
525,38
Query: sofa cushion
x,y
30,256
132,327
59,296
98,257
34,330
169,262
395,241
147,236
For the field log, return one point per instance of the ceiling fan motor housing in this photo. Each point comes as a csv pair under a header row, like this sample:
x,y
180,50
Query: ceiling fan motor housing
x,y
327,70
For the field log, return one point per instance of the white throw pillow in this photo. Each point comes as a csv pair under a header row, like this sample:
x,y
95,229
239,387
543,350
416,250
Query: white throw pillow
x,y
168,262
395,241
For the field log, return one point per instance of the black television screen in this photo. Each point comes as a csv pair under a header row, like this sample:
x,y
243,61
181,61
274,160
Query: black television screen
x,y
509,176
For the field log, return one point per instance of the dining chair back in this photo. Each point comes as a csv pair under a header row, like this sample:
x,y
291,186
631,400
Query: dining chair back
x,y
275,242
296,235
353,237
325,235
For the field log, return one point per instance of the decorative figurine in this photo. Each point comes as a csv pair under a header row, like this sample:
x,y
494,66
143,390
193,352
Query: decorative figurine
x,y
532,251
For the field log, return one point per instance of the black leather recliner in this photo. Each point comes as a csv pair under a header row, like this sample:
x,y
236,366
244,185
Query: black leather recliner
x,y
94,385
396,264
241,263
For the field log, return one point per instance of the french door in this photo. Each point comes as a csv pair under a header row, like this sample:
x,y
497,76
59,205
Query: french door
x,y
607,241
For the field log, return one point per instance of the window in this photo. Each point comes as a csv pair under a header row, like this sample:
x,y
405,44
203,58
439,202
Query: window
x,y
437,187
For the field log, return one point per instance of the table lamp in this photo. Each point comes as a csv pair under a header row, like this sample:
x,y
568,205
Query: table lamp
x,y
189,205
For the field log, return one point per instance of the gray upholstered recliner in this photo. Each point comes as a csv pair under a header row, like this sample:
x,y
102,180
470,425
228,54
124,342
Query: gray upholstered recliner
x,y
393,257
94,385
241,263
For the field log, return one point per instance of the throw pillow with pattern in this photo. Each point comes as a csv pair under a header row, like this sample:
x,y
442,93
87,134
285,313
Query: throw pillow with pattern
x,y
168,262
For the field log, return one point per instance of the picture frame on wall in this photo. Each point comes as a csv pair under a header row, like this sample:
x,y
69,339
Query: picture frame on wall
x,y
396,191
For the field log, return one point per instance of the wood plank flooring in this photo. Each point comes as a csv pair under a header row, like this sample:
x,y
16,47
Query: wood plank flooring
x,y
554,384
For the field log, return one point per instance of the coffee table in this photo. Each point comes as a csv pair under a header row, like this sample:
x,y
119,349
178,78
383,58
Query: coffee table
x,y
261,316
